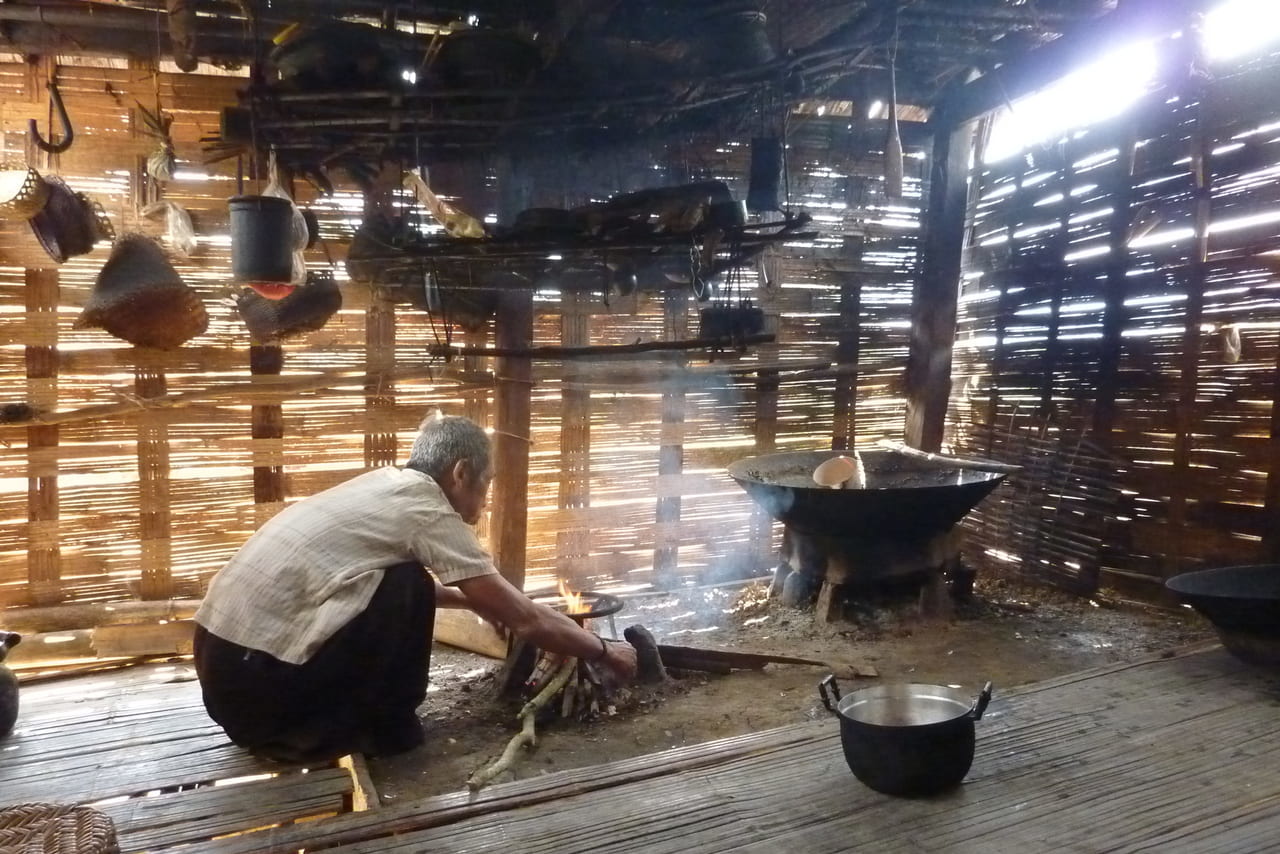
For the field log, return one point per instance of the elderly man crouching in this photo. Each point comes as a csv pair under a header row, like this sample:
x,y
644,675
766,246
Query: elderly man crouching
x,y
315,639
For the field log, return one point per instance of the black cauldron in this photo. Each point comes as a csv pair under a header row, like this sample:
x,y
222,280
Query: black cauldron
x,y
904,497
908,740
1242,602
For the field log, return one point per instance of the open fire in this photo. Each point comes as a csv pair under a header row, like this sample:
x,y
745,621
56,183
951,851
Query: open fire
x,y
552,685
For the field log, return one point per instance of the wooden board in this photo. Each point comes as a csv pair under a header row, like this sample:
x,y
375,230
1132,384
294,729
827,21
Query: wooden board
x,y
463,629
1164,754
137,744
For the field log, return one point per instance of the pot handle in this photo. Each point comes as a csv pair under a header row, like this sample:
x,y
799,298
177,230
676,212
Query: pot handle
x,y
829,685
980,704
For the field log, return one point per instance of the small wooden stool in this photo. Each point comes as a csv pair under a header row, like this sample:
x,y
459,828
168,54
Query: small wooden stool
x,y
56,829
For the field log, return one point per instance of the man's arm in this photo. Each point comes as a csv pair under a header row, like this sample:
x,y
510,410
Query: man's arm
x,y
449,597
499,601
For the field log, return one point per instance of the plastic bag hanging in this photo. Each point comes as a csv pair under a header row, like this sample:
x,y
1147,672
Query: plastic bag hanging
x,y
179,233
301,234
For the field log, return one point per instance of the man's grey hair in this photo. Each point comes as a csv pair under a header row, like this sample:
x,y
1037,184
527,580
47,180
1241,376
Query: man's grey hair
x,y
443,440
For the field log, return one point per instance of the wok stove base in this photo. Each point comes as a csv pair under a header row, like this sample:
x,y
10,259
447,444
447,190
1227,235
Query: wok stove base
x,y
840,567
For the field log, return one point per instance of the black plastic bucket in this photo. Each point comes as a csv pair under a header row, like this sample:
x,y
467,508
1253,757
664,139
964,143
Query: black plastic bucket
x,y
261,239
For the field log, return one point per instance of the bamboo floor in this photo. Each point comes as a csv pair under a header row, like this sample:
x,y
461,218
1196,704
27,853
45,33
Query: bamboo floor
x,y
1172,754
138,745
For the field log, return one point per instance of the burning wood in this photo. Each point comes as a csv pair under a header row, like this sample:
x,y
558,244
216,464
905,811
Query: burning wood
x,y
558,685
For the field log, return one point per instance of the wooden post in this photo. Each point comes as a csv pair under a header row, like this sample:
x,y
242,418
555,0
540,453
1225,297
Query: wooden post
x,y
847,351
666,534
153,477
512,437
477,404
379,388
934,298
513,403
573,544
267,430
44,555
766,434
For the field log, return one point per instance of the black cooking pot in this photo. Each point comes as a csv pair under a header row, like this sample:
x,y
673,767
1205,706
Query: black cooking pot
x,y
1242,602
906,739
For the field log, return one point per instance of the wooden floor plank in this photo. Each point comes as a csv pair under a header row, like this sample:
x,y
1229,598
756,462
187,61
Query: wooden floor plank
x,y
139,746
199,815
1178,754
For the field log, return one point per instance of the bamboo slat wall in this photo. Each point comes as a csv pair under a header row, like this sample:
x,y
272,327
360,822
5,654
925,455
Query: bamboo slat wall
x,y
1075,323
149,502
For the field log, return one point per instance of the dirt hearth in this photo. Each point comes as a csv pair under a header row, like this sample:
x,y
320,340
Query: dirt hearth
x,y
1007,634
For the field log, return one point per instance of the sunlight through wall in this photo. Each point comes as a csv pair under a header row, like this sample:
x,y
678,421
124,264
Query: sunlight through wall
x,y
1234,30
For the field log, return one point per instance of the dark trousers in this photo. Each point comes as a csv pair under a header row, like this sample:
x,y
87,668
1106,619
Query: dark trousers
x,y
358,693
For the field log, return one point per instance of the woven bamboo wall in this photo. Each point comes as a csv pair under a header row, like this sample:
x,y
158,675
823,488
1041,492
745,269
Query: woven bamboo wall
x,y
149,502
1070,329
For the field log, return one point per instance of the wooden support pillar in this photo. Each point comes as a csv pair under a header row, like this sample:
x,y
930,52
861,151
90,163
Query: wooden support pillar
x,y
573,545
935,296
267,430
477,404
379,389
512,437
666,551
845,431
44,555
766,435
513,416
153,477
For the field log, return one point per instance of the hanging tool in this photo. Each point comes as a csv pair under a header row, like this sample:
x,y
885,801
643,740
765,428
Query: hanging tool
x,y
68,133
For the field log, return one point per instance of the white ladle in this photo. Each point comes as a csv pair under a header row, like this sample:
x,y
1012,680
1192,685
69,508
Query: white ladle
x,y
841,472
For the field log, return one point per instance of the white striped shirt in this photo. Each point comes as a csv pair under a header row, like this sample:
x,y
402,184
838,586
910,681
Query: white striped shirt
x,y
314,566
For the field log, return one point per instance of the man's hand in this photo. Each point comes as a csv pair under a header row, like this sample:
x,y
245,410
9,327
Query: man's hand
x,y
620,658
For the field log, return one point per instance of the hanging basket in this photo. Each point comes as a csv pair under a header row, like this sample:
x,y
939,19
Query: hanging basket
x,y
307,309
28,198
70,223
139,297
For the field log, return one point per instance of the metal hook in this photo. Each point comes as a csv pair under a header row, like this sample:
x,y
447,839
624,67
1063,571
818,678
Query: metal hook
x,y
68,133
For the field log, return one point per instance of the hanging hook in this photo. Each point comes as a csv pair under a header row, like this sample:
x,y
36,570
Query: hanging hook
x,y
68,133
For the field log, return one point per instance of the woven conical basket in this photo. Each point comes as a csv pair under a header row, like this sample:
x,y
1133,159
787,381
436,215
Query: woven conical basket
x,y
139,297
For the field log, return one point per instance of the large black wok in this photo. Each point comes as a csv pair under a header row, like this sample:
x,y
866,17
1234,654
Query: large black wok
x,y
1242,602
904,497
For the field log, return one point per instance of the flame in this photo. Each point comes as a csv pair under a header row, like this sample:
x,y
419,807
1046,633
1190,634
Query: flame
x,y
573,602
